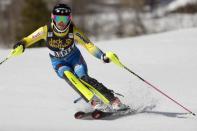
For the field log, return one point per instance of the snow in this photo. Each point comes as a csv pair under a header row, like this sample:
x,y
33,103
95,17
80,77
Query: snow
x,y
180,3
170,22
33,98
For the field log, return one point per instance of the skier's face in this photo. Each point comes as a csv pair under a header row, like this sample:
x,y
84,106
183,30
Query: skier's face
x,y
61,21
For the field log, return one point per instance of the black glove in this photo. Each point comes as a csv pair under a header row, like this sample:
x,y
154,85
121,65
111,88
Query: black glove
x,y
105,58
19,43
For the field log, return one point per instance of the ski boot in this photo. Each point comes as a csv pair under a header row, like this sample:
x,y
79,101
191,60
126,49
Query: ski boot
x,y
99,105
118,105
115,108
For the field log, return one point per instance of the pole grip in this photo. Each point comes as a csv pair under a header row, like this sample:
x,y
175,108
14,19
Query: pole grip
x,y
114,58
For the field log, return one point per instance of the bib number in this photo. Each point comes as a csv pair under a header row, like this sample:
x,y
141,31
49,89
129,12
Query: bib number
x,y
62,53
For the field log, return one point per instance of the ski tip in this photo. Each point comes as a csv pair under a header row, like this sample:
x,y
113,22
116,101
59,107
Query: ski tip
x,y
79,115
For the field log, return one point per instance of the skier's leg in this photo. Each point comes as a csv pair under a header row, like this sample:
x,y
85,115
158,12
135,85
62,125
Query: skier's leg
x,y
106,95
64,71
102,92
78,86
80,69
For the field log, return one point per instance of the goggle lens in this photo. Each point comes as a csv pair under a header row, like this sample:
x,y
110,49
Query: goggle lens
x,y
64,19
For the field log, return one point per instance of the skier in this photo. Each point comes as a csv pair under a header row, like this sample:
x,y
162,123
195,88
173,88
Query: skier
x,y
61,36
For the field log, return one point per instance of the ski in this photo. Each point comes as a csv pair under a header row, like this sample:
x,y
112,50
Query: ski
x,y
112,115
82,115
97,114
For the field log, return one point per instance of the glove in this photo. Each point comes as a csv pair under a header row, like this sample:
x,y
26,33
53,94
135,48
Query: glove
x,y
105,59
20,43
18,48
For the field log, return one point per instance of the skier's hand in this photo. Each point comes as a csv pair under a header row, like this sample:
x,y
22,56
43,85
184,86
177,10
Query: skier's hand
x,y
105,59
18,48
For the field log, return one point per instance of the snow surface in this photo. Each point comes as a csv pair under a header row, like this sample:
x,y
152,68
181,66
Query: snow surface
x,y
180,3
33,98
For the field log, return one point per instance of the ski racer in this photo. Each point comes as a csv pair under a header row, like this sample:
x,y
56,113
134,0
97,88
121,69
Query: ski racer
x,y
61,36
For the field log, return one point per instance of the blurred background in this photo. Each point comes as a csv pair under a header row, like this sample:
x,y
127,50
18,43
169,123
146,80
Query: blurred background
x,y
99,19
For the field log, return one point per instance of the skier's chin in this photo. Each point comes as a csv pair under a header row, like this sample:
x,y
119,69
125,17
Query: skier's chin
x,y
61,28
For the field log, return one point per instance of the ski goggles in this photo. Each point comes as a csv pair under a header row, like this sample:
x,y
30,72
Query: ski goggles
x,y
59,18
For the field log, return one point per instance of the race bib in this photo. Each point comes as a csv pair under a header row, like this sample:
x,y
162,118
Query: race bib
x,y
63,52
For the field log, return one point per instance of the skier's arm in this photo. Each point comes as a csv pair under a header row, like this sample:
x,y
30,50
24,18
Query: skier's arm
x,y
86,43
36,36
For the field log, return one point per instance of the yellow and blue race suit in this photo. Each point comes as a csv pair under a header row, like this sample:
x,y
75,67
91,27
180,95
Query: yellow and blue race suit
x,y
62,48
68,62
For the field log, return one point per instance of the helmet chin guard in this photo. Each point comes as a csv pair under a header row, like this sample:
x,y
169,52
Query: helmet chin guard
x,y
58,30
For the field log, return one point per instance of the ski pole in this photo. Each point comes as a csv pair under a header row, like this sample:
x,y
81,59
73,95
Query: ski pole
x,y
7,58
13,53
116,61
4,60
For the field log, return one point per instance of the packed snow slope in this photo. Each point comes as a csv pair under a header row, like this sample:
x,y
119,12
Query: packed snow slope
x,y
33,98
